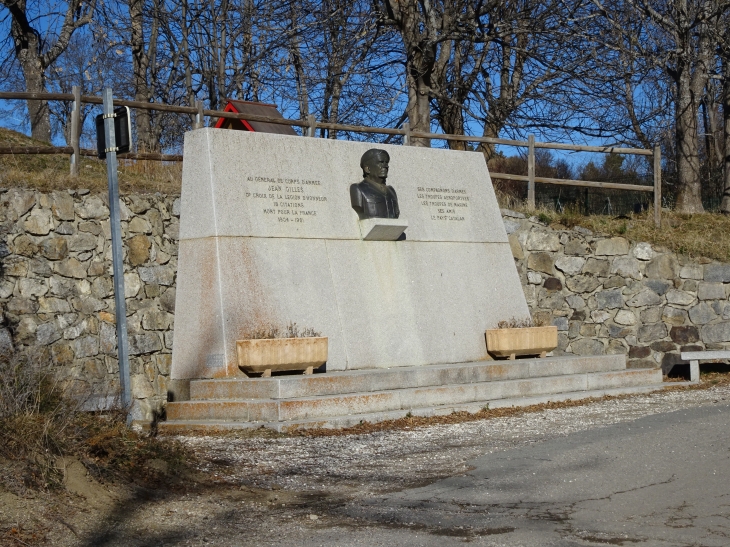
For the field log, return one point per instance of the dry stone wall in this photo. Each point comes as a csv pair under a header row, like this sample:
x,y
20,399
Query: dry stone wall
x,y
56,290
609,295
605,294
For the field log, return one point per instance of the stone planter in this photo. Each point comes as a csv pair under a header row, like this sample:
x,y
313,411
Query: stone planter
x,y
272,355
522,341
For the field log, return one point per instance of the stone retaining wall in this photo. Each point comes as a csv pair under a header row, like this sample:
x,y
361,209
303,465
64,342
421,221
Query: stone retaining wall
x,y
56,289
606,295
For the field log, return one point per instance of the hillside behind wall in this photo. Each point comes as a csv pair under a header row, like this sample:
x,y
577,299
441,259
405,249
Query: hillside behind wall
x,y
606,295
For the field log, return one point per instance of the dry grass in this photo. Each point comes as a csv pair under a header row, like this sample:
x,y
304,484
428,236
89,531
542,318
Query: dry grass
x,y
41,422
51,172
699,235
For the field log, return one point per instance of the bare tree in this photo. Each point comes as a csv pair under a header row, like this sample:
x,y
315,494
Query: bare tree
x,y
36,50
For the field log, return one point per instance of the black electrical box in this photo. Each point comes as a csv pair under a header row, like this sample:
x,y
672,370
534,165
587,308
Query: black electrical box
x,y
122,132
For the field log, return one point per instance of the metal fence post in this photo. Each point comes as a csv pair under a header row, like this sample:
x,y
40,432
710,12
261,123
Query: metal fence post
x,y
657,186
531,171
406,134
199,118
311,125
75,130
117,256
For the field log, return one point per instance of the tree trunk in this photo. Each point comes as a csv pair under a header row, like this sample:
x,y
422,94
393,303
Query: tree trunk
x,y
689,195
725,205
40,116
140,66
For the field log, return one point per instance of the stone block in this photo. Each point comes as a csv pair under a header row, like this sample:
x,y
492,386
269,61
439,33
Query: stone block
x,y
625,317
21,305
600,316
684,335
680,298
576,247
626,266
82,242
62,206
575,302
658,286
70,268
382,229
612,246
553,284
107,338
702,313
597,267
62,352
516,247
587,346
86,346
53,306
139,225
649,333
541,262
662,267
30,287
18,202
511,226
582,283
93,207
718,332
570,265
534,278
159,275
639,352
611,299
137,204
711,291
692,271
644,298
139,249
24,245
663,346
561,323
147,342
39,222
614,282
717,272
643,251
47,333
674,316
55,248
542,240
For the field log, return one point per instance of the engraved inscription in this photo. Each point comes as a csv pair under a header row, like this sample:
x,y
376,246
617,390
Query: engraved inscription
x,y
287,200
444,204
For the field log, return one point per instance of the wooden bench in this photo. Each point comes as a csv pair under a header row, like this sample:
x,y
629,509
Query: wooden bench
x,y
694,358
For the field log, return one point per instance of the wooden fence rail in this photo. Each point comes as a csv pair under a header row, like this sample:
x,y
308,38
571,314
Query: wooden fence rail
x,y
309,127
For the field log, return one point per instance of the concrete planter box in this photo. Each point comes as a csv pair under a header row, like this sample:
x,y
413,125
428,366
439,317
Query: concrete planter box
x,y
272,355
522,341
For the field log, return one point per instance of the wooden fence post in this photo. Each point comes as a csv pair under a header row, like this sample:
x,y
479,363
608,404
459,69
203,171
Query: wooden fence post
x,y
75,131
406,134
531,172
657,186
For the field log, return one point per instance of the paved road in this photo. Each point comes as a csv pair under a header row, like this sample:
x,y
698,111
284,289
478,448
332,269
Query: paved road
x,y
661,480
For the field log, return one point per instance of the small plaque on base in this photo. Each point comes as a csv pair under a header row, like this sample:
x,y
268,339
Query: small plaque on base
x,y
382,229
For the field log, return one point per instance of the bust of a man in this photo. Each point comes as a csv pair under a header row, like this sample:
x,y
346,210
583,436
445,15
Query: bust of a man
x,y
372,198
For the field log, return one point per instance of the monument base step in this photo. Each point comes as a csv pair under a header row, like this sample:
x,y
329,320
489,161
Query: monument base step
x,y
343,399
338,422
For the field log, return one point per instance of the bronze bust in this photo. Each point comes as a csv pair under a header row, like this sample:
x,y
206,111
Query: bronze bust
x,y
372,198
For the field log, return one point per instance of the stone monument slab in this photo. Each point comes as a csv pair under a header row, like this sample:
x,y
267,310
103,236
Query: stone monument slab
x,y
268,237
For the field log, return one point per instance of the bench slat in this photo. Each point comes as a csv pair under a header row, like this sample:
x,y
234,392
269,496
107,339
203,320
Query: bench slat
x,y
698,355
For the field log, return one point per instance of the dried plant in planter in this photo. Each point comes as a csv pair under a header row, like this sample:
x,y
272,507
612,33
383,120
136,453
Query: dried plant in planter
x,y
292,330
515,323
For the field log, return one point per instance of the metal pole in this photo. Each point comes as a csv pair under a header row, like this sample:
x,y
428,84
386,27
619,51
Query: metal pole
x,y
312,125
406,134
199,118
117,257
657,186
75,130
531,172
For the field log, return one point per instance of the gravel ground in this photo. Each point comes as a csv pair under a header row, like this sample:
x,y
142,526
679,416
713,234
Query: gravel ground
x,y
260,488
390,460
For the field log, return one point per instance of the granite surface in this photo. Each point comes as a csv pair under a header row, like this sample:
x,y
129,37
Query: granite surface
x,y
243,268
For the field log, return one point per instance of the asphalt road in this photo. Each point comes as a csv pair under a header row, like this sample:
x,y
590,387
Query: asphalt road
x,y
661,480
